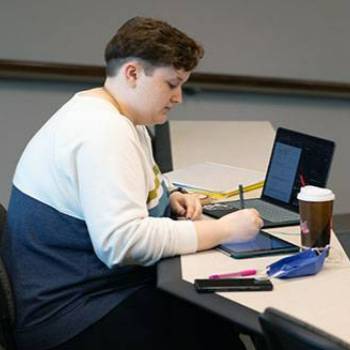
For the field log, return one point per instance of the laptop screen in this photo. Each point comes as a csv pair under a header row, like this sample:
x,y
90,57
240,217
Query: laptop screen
x,y
297,159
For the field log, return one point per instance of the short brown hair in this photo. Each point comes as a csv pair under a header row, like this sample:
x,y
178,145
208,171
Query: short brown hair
x,y
153,41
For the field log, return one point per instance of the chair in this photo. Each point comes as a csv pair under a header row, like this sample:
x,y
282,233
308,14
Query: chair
x,y
283,332
7,309
161,145
2,221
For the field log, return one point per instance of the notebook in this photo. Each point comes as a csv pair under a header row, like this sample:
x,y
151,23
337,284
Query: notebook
x,y
216,180
296,160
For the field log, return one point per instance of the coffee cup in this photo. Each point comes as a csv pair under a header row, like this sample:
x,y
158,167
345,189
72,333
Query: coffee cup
x,y
316,211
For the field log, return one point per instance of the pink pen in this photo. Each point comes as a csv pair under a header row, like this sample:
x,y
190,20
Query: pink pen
x,y
243,273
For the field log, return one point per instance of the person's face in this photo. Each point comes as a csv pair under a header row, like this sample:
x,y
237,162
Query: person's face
x,y
156,93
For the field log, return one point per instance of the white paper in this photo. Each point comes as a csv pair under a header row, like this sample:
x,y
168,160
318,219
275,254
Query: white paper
x,y
214,177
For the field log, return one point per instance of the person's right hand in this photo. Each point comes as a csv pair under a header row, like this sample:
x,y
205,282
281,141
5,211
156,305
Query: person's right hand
x,y
242,225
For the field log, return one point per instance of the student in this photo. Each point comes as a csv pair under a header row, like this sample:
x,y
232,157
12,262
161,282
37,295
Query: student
x,y
89,214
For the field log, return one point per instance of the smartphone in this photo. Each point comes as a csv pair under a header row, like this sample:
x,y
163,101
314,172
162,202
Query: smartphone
x,y
232,285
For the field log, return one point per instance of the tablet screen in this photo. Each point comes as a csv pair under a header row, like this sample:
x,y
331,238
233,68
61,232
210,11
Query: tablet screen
x,y
263,244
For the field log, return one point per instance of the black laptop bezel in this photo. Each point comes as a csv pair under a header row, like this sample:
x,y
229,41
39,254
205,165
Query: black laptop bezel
x,y
294,140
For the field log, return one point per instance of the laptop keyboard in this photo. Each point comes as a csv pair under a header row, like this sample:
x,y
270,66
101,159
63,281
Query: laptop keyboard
x,y
268,211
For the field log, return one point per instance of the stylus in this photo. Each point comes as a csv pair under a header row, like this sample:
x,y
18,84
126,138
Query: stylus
x,y
243,273
241,196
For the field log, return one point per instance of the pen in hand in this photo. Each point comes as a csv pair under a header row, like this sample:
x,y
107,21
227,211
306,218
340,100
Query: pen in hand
x,y
241,196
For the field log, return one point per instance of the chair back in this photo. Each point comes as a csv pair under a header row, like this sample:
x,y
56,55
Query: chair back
x,y
283,332
2,221
7,308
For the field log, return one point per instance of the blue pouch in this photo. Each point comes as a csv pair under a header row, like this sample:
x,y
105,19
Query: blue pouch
x,y
308,262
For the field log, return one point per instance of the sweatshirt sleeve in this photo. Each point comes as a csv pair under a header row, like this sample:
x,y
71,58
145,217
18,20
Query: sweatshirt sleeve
x,y
110,175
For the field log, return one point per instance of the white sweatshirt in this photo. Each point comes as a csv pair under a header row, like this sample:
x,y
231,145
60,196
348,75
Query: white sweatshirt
x,y
91,163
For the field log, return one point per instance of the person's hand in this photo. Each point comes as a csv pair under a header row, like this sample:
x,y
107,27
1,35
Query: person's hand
x,y
242,225
187,205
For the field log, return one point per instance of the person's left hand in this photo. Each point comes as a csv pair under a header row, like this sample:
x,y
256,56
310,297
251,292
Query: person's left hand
x,y
187,205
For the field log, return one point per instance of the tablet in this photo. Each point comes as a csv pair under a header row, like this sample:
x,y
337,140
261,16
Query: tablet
x,y
262,244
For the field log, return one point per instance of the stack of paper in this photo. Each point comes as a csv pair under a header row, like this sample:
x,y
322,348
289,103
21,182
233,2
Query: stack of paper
x,y
216,180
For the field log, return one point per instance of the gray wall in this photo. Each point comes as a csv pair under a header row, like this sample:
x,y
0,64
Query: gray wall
x,y
267,37
301,39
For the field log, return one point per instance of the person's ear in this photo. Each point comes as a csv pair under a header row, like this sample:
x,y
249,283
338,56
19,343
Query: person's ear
x,y
132,72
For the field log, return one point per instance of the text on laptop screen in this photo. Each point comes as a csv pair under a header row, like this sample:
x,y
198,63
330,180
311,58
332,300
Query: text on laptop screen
x,y
283,168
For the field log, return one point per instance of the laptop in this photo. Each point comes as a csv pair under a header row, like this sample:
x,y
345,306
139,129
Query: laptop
x,y
296,160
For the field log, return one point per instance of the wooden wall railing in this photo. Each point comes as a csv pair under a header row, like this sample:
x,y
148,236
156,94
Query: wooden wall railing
x,y
15,69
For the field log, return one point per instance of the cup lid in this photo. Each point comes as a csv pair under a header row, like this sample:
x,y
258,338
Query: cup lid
x,y
315,194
